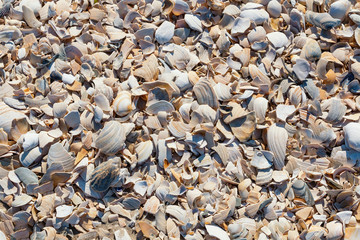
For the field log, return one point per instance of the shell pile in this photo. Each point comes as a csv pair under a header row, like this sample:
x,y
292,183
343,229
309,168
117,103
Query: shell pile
x,y
180,119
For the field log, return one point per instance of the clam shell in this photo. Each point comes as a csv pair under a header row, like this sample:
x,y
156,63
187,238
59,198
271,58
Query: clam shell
x,y
180,7
322,20
259,78
30,140
337,111
7,115
311,50
301,68
30,18
111,138
165,32
205,94
217,232
63,211
277,138
29,157
264,176
143,151
105,174
160,106
301,190
339,9
72,119
283,111
59,109
193,22
122,104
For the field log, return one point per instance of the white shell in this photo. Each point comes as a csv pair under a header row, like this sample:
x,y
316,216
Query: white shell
x,y
29,157
68,78
274,8
30,140
193,22
352,136
122,104
143,151
259,16
277,139
216,231
278,39
165,32
58,155
63,211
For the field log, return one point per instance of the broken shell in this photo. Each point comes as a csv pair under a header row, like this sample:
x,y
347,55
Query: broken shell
x,y
165,32
105,175
301,190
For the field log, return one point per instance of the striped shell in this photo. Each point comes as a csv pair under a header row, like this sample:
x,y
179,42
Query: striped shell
x,y
111,138
122,104
277,137
105,174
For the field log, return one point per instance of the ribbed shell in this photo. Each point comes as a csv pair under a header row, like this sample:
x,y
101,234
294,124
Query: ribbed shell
x,y
205,94
111,138
122,104
105,174
58,154
277,138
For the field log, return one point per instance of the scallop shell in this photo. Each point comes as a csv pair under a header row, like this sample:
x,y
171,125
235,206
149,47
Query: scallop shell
x,y
205,94
105,174
222,91
111,138
143,151
122,104
165,32
277,138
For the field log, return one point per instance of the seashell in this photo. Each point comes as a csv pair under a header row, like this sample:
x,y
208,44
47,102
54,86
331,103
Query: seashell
x,y
339,9
257,34
143,151
264,176
122,104
260,108
335,229
30,18
311,50
262,159
146,47
240,26
244,126
301,190
179,129
274,8
222,91
336,111
277,139
59,156
59,109
280,176
149,69
205,94
29,157
111,138
5,10
140,187
47,11
278,39
131,203
104,175
14,103
259,78
165,32
26,176
148,230
7,115
72,119
217,232
30,140
259,16
351,133
180,7
193,22
63,211
102,102
68,78
283,111
35,5
21,200
322,20
160,106
301,68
